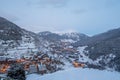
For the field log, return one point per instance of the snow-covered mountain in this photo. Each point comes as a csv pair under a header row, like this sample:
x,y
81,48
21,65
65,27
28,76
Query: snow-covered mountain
x,y
15,40
105,49
66,37
101,51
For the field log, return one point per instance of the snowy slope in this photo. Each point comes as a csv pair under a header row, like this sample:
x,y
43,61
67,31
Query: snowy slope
x,y
15,41
77,74
84,58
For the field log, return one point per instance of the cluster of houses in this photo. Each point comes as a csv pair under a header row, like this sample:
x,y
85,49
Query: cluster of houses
x,y
5,63
62,48
40,63
65,49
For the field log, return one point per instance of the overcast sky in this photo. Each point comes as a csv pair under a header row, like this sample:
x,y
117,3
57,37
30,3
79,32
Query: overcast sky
x,y
84,16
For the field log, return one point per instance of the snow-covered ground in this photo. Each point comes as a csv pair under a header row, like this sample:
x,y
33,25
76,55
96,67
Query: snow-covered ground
x,y
77,74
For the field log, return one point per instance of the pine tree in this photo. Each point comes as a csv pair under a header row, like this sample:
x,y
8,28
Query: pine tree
x,y
16,71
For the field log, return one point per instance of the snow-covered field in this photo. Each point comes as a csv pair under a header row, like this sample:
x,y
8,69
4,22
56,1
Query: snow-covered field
x,y
77,74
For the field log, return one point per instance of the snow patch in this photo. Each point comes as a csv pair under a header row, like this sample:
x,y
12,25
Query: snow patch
x,y
77,74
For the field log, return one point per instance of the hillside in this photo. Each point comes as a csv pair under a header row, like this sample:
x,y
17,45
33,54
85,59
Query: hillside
x,y
105,47
14,39
101,51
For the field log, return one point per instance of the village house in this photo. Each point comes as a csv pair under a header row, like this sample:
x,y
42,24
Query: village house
x,y
33,69
78,64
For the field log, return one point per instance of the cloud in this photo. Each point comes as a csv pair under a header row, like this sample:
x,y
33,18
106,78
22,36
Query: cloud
x,y
79,11
65,31
8,16
47,3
